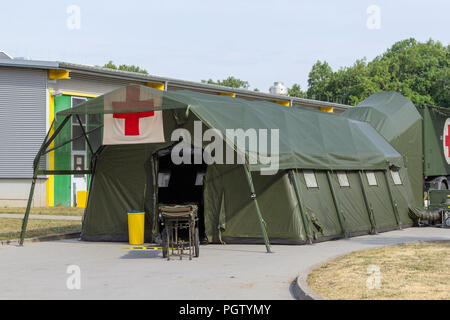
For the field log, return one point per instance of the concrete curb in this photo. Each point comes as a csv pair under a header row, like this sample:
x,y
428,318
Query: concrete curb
x,y
55,237
300,288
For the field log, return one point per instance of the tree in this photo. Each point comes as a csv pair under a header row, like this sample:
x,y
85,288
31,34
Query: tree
x,y
124,67
420,71
318,81
296,91
230,82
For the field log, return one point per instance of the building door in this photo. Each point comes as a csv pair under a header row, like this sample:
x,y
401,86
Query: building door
x,y
79,154
79,181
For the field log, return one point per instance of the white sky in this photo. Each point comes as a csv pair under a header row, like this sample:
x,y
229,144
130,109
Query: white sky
x,y
258,41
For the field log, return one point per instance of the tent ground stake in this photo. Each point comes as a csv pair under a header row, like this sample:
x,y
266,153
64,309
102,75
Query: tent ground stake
x,y
368,205
393,202
336,205
258,211
47,141
293,175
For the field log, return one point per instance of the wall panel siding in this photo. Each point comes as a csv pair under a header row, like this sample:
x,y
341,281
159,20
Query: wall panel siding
x,y
22,120
89,84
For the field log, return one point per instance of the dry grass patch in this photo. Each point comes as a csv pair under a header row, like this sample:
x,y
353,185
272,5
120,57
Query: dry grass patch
x,y
10,228
410,271
54,211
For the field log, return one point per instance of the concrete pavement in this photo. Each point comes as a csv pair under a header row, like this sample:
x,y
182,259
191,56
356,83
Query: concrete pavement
x,y
38,270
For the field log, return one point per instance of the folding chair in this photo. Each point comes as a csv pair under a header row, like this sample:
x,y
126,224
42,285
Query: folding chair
x,y
176,218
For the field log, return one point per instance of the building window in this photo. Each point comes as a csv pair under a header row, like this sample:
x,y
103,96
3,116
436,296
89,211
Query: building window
x,y
80,143
371,179
310,179
396,177
343,179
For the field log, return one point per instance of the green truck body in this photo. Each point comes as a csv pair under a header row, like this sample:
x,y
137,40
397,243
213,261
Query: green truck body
x,y
435,166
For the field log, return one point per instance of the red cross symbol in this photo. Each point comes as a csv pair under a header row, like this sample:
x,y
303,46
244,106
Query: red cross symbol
x,y
132,101
447,140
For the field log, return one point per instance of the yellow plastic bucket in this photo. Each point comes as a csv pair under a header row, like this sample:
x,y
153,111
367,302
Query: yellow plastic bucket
x,y
136,222
82,197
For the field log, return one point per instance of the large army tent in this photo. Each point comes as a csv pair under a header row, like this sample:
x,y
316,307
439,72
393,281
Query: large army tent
x,y
396,118
337,176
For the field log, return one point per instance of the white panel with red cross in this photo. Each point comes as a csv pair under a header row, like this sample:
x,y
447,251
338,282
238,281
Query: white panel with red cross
x,y
133,127
446,140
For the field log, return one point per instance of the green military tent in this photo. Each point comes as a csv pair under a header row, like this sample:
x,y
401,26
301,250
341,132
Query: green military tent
x,y
336,176
396,118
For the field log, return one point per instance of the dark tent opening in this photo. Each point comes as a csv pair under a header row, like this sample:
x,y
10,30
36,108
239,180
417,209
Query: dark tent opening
x,y
182,184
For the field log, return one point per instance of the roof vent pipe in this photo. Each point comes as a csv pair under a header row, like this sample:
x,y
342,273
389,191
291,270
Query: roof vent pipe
x,y
279,88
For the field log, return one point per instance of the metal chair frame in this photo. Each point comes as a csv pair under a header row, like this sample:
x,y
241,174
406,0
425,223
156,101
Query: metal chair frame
x,y
175,245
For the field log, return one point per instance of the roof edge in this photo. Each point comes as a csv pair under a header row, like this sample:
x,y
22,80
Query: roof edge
x,y
133,76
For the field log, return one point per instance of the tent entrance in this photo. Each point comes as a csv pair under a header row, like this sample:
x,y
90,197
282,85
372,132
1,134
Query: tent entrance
x,y
182,184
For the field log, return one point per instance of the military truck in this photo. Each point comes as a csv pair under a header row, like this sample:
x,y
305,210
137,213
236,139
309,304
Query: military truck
x,y
436,143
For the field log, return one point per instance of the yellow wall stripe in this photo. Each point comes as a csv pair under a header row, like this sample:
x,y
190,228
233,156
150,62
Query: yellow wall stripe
x,y
78,94
51,156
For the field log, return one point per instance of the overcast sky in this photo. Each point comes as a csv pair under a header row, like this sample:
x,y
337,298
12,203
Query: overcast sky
x,y
256,40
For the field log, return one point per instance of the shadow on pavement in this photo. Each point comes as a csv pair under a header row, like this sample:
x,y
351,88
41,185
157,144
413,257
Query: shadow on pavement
x,y
143,254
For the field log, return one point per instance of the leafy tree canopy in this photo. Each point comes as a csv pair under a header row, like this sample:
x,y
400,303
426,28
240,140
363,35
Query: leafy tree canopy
x,y
296,91
420,71
124,67
233,82
230,82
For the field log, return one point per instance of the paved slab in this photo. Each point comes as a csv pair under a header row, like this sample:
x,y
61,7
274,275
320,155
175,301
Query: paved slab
x,y
38,270
40,217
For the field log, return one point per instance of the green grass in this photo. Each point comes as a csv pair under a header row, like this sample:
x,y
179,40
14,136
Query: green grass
x,y
10,228
54,211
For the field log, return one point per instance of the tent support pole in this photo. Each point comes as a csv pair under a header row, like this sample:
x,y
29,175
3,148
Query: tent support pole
x,y
262,223
61,126
71,140
47,141
393,202
373,229
84,134
27,211
30,196
300,205
154,162
336,205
